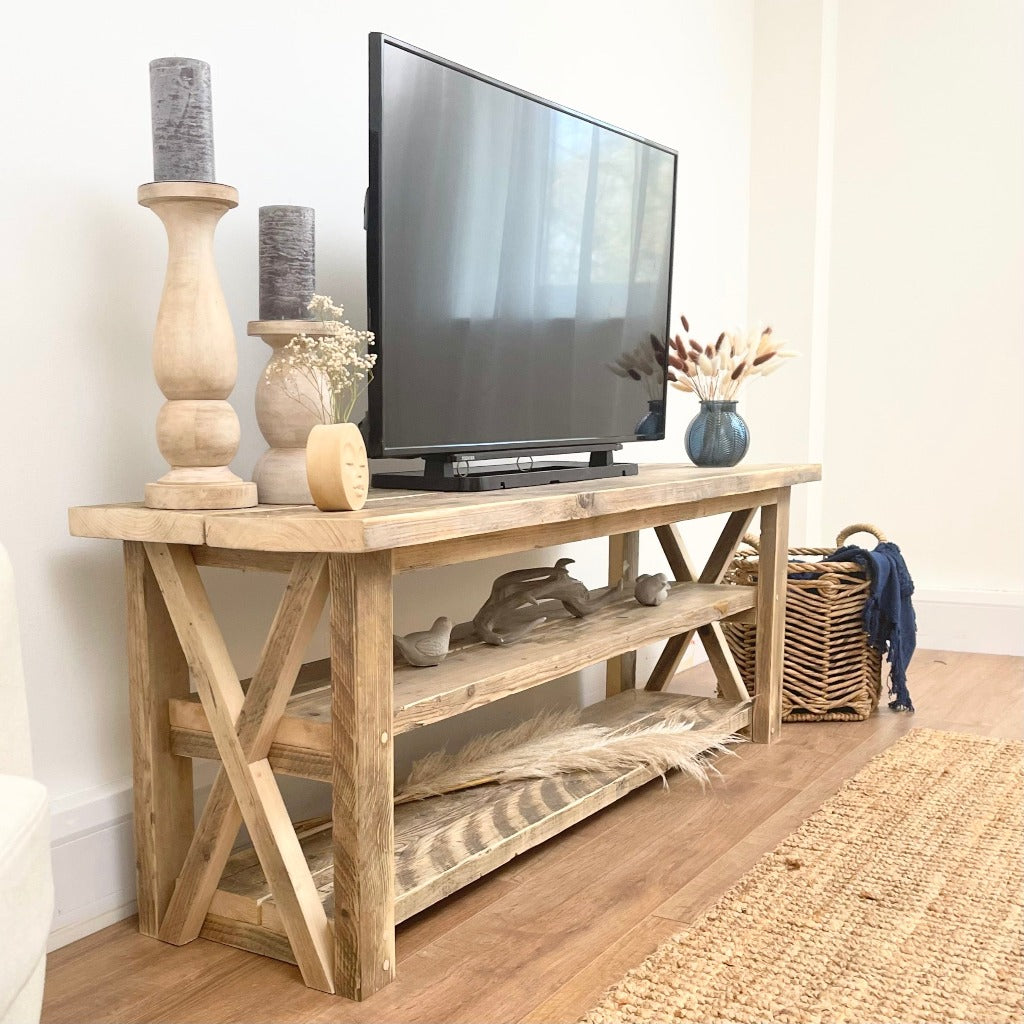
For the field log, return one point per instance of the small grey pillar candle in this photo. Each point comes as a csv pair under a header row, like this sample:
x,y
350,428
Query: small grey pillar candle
x,y
287,262
182,105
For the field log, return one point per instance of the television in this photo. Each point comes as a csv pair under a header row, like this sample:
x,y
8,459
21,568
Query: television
x,y
519,271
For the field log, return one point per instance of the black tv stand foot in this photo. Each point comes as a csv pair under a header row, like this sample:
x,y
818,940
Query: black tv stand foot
x,y
443,473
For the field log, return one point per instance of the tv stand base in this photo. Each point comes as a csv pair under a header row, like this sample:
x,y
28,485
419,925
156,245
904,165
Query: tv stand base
x,y
438,475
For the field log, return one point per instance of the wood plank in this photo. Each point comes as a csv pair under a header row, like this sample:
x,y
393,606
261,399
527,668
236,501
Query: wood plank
x,y
285,759
475,674
162,781
245,561
363,836
668,661
253,784
531,537
730,682
435,518
771,620
623,559
252,937
725,548
135,521
297,616
444,843
675,551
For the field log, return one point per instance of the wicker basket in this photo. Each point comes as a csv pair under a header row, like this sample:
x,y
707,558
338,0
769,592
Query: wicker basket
x,y
831,672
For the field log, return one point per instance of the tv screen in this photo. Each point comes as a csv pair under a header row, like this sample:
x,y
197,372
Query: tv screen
x,y
519,267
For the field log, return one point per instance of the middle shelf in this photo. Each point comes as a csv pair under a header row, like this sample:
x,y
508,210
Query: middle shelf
x,y
473,674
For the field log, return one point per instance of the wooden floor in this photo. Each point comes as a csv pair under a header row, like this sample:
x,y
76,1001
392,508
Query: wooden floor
x,y
540,939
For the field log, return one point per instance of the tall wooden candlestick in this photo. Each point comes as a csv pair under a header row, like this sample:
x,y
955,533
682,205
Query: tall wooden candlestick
x,y
194,356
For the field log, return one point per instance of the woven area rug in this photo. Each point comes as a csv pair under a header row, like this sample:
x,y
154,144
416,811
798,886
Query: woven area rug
x,y
899,900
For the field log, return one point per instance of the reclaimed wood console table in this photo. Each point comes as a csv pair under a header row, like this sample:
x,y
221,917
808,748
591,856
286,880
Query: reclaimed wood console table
x,y
327,895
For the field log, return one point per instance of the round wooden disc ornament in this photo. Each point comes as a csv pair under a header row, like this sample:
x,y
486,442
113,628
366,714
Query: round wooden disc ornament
x,y
337,468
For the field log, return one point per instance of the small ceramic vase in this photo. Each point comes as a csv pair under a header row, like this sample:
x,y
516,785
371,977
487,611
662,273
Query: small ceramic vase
x,y
336,467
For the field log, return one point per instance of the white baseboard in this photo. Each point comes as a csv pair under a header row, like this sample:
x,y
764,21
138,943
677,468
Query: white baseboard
x,y
93,862
983,622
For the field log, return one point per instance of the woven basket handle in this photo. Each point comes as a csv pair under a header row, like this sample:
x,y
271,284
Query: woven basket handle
x,y
845,535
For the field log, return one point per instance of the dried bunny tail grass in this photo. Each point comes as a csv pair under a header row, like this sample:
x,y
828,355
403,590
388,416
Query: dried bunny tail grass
x,y
763,358
681,385
685,323
695,347
705,364
739,371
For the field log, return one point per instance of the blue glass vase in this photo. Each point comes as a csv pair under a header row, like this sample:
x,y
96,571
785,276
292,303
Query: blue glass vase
x,y
717,435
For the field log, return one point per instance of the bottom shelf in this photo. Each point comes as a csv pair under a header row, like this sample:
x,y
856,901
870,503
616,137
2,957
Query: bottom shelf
x,y
447,842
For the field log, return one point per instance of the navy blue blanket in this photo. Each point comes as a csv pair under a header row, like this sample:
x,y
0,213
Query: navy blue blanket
x,y
889,614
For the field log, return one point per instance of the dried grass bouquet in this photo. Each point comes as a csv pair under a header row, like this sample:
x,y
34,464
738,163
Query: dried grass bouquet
x,y
717,372
328,367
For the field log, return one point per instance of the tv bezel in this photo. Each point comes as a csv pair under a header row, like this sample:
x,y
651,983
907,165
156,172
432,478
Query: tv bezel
x,y
375,275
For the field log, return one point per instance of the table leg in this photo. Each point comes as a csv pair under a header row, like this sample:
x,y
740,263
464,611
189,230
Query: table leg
x,y
363,778
157,671
623,558
766,723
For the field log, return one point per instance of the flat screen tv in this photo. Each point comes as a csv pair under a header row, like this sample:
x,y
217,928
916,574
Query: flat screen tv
x,y
519,269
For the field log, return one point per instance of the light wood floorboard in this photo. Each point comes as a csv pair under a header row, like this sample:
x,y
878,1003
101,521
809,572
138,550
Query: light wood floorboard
x,y
540,939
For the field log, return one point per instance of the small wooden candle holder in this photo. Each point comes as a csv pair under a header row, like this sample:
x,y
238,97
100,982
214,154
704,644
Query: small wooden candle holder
x,y
194,356
284,420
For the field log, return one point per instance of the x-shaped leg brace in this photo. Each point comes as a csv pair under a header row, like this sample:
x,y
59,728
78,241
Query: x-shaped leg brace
x,y
243,726
730,683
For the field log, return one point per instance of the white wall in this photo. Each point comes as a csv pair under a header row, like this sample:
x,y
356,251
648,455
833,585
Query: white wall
x,y
887,238
82,268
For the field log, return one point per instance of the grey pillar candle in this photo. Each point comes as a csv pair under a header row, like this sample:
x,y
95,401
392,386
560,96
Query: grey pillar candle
x,y
182,106
287,262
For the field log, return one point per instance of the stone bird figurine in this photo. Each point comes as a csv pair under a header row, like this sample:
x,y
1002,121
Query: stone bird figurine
x,y
651,590
428,647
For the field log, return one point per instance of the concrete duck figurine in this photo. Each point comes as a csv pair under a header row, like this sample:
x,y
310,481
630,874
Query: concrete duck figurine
x,y
651,590
428,647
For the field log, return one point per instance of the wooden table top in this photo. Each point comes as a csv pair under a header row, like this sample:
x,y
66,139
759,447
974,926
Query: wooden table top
x,y
395,519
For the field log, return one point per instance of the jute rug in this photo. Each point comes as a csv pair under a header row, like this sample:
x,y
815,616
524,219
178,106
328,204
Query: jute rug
x,y
900,900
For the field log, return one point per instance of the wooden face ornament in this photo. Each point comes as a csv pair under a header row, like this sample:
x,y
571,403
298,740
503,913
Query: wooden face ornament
x,y
337,468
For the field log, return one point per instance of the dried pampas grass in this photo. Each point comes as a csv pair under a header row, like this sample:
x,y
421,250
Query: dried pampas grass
x,y
556,743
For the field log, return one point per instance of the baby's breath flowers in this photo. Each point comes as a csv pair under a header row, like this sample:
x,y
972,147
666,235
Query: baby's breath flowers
x,y
331,359
716,372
